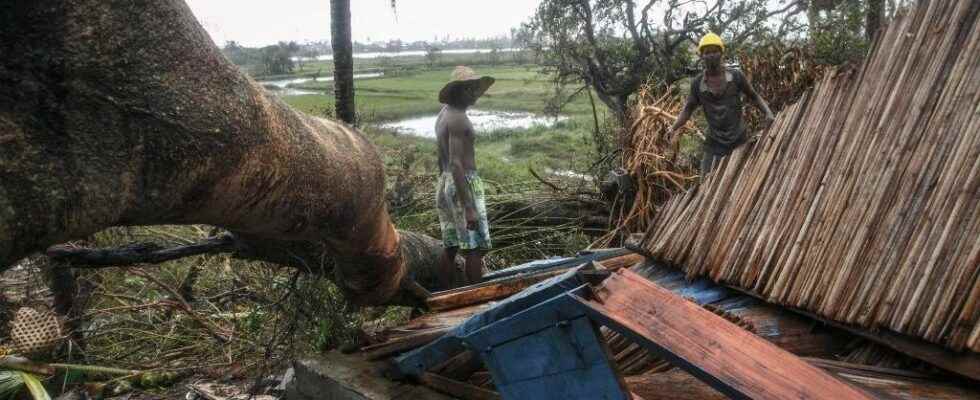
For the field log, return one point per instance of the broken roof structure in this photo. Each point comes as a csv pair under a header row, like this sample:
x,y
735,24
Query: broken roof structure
x,y
863,205
859,209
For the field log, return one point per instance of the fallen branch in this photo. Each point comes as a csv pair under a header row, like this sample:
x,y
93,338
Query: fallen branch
x,y
18,363
137,253
540,179
309,257
24,365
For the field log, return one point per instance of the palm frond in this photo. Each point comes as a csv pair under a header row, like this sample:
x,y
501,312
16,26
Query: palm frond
x,y
10,383
34,386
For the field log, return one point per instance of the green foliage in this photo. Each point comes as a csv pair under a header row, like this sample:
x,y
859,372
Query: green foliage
x,y
276,59
615,46
11,382
837,34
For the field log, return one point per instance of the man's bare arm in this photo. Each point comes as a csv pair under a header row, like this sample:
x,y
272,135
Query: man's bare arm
x,y
685,115
456,154
757,100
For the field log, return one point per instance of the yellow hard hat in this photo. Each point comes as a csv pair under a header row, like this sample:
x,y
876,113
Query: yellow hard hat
x,y
710,40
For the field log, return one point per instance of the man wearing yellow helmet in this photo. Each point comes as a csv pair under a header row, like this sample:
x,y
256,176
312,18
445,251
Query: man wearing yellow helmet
x,y
719,92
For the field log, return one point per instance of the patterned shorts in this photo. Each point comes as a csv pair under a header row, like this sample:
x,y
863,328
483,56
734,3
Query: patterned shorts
x,y
452,217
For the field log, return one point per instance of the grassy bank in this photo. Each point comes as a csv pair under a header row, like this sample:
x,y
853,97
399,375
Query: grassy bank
x,y
518,88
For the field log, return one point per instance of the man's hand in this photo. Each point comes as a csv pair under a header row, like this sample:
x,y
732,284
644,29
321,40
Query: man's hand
x,y
470,214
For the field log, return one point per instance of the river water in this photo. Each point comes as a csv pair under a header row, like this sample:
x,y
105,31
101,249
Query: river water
x,y
282,86
483,122
412,53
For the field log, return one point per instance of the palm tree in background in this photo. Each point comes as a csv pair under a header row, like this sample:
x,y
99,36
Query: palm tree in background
x,y
343,61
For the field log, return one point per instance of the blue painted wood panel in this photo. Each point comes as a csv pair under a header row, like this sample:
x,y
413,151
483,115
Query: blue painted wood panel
x,y
565,361
416,362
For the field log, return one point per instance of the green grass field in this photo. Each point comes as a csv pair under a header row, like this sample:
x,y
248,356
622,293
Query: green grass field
x,y
518,88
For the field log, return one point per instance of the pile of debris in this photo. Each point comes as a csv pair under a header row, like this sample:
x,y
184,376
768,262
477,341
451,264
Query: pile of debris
x,y
611,324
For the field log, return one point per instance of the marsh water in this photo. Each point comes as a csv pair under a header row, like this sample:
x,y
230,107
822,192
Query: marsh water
x,y
483,122
284,87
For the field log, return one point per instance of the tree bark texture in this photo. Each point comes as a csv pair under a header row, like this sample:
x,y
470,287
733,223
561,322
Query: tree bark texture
x,y
126,113
343,61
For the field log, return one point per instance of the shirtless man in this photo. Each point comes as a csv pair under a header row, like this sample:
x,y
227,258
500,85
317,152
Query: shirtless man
x,y
719,92
459,191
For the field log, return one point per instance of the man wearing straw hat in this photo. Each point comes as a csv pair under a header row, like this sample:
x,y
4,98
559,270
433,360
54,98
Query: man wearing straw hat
x,y
459,191
719,92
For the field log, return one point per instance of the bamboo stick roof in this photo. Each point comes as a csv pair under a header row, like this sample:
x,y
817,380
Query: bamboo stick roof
x,y
862,203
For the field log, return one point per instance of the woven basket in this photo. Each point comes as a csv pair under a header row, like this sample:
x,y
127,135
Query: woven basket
x,y
34,332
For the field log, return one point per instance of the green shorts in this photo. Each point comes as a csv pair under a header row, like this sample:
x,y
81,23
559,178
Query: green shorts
x,y
452,217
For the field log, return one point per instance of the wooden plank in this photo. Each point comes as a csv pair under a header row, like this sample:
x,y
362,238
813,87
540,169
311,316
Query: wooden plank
x,y
624,261
730,359
449,318
460,367
402,344
458,389
565,361
486,292
501,288
584,256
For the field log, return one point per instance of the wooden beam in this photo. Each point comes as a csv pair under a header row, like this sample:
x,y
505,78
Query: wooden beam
x,y
720,353
501,288
624,261
460,367
561,263
457,389
402,344
486,292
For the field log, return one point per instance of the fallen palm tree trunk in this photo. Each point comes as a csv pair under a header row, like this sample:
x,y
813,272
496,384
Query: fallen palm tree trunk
x,y
861,204
117,113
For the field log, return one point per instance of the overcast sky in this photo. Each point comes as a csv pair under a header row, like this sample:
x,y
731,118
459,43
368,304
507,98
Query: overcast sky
x,y
258,23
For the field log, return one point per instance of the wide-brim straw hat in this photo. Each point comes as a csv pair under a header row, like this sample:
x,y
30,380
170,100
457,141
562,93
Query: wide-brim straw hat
x,y
463,77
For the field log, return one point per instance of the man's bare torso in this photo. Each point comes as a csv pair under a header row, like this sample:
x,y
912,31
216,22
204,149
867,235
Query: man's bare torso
x,y
454,122
716,82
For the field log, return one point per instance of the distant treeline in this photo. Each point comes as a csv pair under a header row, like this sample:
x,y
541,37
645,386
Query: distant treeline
x,y
281,57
